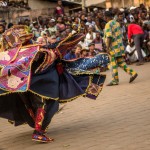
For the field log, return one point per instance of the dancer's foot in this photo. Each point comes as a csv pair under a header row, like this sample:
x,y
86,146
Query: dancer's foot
x,y
140,63
112,83
41,137
133,78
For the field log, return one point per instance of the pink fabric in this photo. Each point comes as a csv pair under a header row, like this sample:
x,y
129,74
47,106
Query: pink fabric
x,y
15,67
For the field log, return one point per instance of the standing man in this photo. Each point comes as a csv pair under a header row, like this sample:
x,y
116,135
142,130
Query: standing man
x,y
136,32
114,44
59,10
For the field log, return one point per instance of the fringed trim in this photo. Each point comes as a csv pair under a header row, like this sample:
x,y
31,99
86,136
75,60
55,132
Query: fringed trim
x,y
42,64
8,92
42,96
90,82
11,122
71,99
100,88
29,77
70,43
69,36
19,47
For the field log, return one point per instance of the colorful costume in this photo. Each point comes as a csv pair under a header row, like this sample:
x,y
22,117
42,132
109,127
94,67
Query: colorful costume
x,y
33,80
113,31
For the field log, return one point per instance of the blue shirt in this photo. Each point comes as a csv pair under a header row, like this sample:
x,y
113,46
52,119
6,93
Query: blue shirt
x,y
69,56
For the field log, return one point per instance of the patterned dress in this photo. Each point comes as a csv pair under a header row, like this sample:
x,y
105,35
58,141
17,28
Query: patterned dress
x,y
113,31
117,53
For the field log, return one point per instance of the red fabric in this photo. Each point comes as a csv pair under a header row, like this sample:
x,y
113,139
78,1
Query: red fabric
x,y
39,119
59,10
134,29
59,68
31,113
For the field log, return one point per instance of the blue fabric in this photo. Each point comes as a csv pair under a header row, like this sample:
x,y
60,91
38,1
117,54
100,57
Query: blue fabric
x,y
85,64
69,56
68,87
46,83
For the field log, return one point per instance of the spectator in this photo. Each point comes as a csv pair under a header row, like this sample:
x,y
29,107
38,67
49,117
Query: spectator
x,y
75,53
74,28
98,42
90,36
131,53
84,53
60,25
92,50
59,10
43,39
52,27
137,33
89,22
36,30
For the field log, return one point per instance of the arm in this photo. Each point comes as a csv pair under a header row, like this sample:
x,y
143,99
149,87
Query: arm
x,y
129,33
108,34
108,44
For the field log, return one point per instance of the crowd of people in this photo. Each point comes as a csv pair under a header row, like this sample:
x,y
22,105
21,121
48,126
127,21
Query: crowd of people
x,y
36,74
58,26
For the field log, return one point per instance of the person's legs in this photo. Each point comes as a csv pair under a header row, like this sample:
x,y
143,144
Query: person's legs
x,y
114,71
51,109
138,39
25,97
121,63
40,105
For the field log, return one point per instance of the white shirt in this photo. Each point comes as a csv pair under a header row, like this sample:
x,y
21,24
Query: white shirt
x,y
133,57
88,39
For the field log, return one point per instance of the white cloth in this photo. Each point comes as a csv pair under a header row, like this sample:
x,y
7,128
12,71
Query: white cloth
x,y
83,45
90,24
134,56
88,39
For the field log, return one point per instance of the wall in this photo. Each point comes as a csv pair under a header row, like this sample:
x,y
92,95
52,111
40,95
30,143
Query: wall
x,y
126,3
38,8
40,4
95,3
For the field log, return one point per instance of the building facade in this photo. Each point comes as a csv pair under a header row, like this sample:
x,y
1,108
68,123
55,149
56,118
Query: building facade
x,y
16,9
126,3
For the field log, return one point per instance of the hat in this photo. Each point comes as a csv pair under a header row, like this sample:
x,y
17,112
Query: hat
x,y
132,8
52,20
121,9
95,9
131,18
91,44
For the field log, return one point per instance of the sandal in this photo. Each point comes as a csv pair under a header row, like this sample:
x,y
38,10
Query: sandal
x,y
41,137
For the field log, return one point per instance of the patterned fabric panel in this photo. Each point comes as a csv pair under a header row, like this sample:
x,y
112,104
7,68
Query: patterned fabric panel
x,y
89,65
113,31
15,67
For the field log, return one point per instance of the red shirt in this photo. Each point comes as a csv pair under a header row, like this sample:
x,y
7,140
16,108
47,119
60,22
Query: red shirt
x,y
134,29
